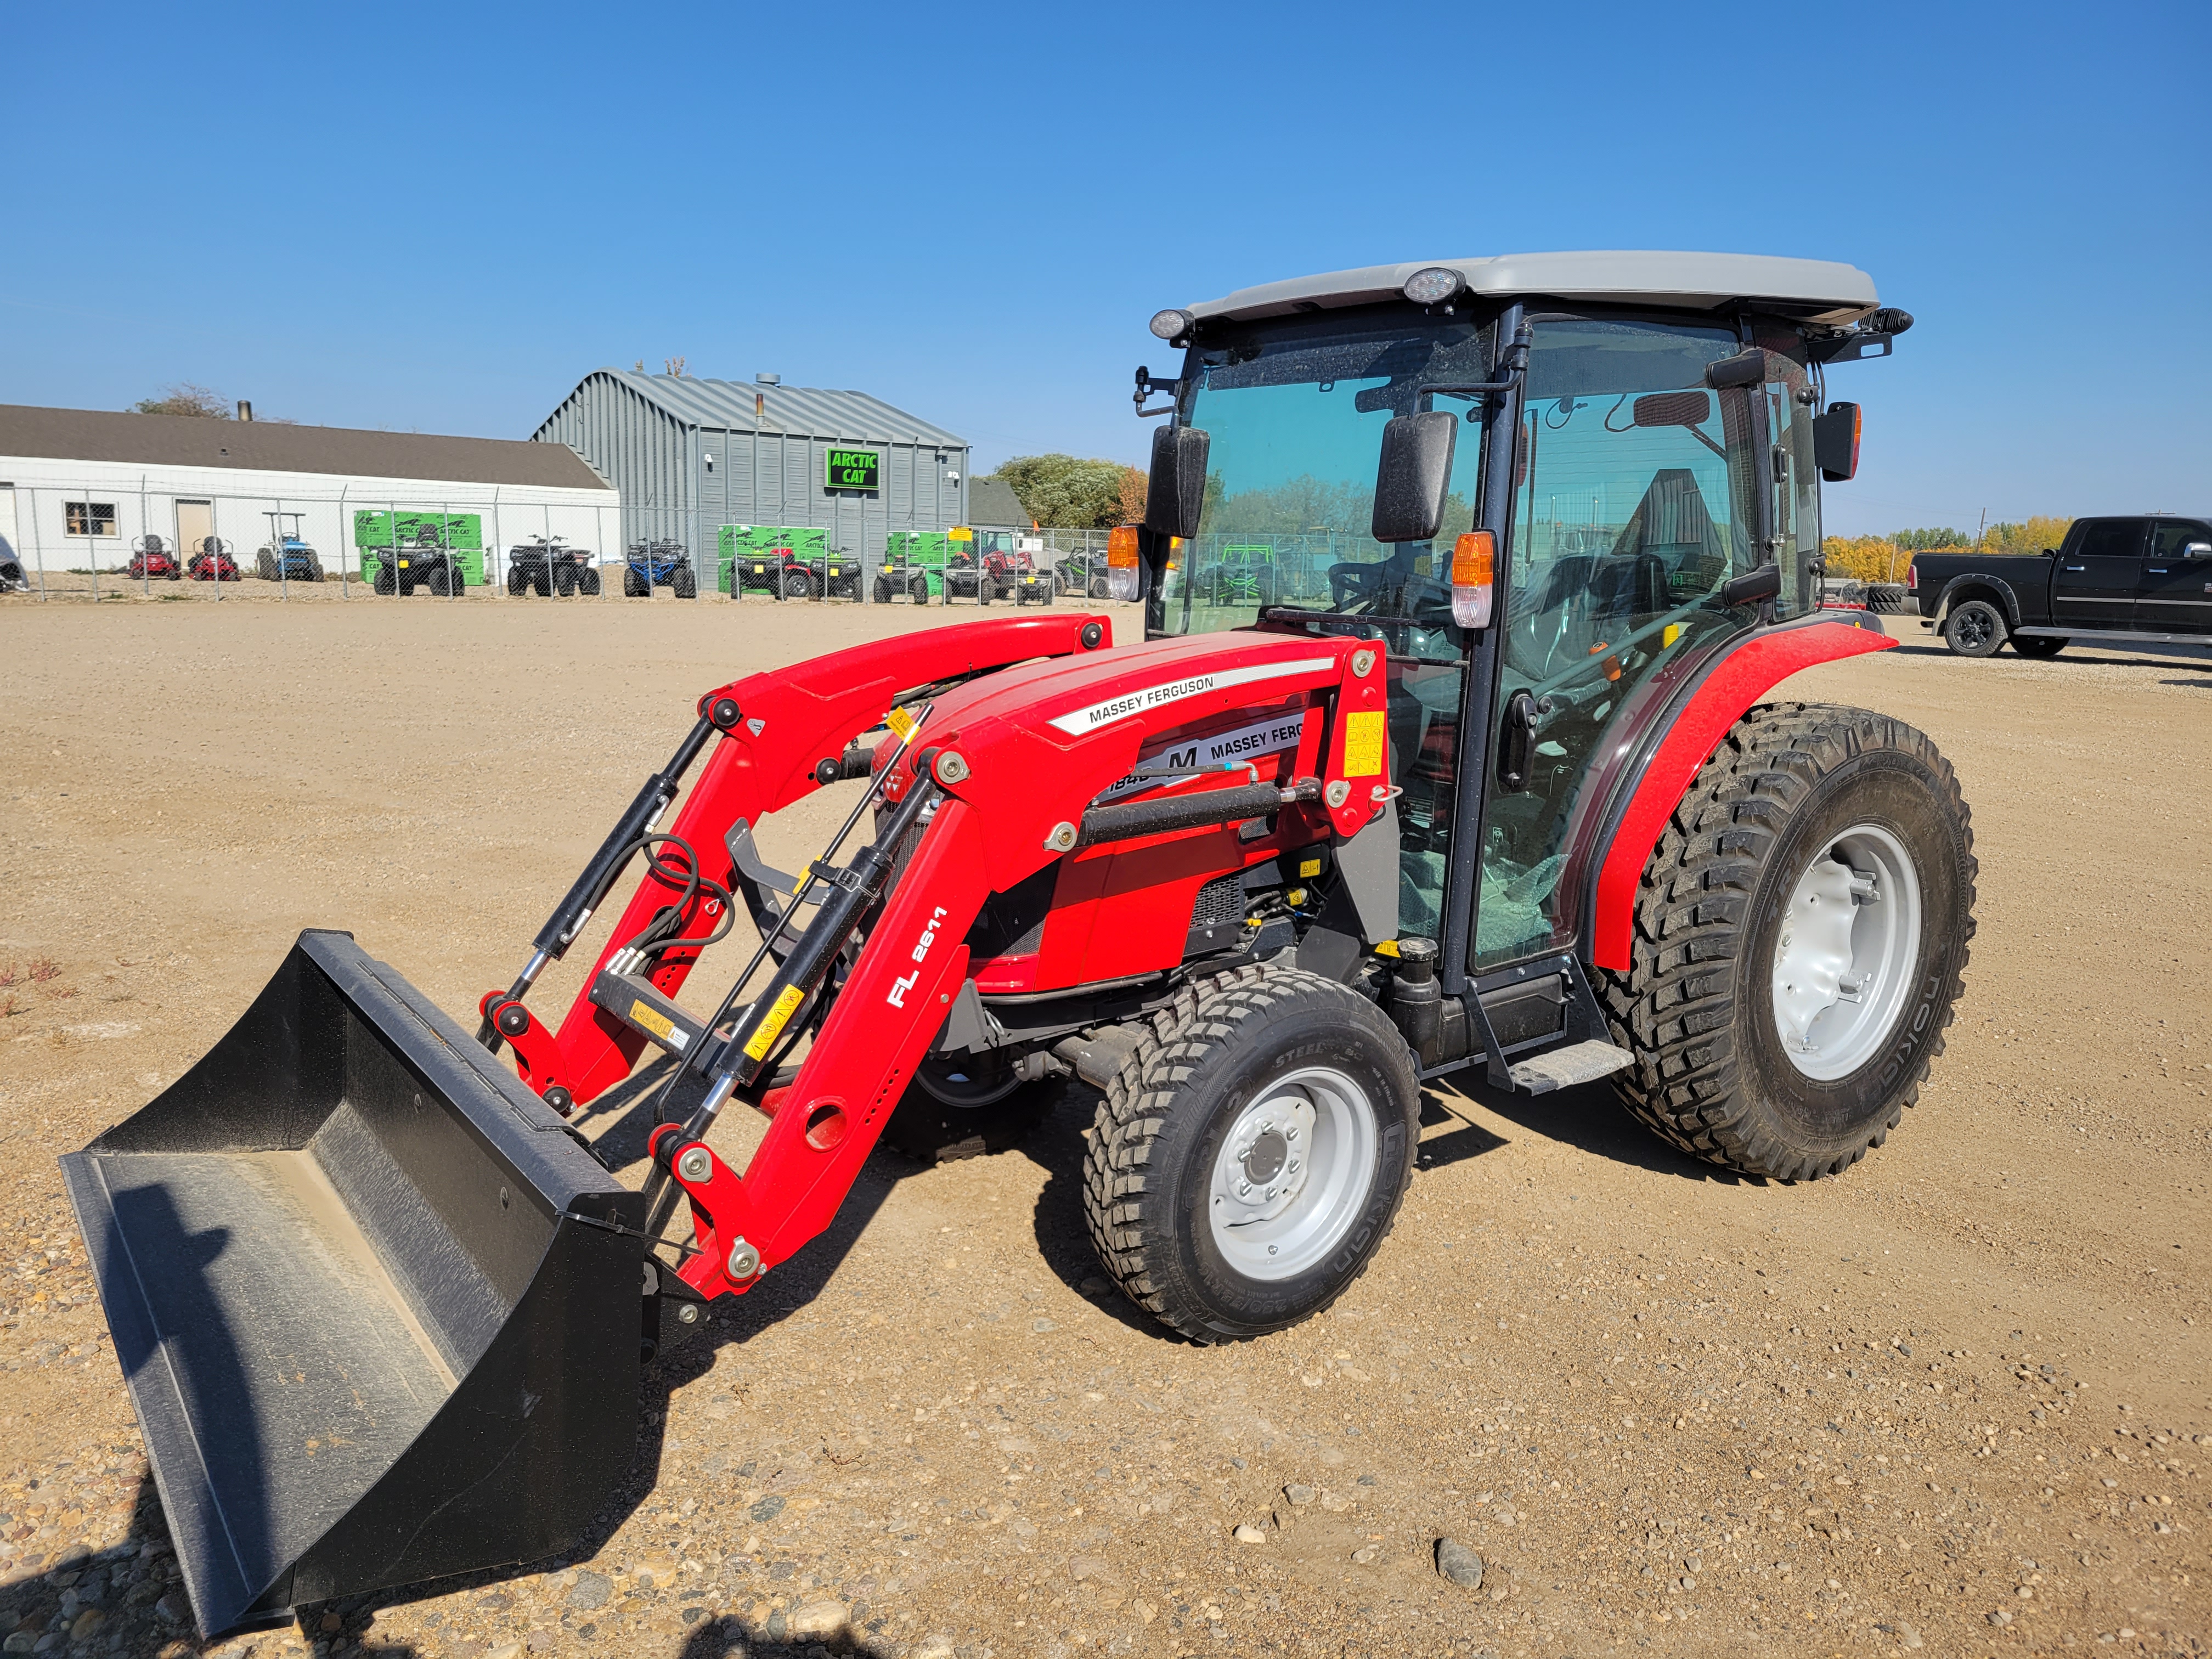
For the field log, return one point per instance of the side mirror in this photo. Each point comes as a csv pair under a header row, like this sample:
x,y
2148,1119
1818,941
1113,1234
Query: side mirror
x,y
1836,442
1414,475
2197,551
1753,586
1745,368
1174,500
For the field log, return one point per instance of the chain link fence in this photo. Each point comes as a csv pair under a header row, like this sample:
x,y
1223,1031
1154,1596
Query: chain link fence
x,y
92,544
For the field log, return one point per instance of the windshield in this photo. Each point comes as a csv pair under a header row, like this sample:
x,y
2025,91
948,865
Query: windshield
x,y
1295,409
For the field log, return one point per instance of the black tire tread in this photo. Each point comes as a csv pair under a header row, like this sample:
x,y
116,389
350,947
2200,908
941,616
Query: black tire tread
x,y
1674,1007
1135,1105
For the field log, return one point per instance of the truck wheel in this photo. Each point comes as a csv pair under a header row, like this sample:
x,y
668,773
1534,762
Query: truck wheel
x,y
1799,937
2038,645
1250,1157
956,1108
1974,628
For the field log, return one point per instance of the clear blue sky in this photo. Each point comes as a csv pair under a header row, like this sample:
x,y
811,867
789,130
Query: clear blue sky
x,y
440,217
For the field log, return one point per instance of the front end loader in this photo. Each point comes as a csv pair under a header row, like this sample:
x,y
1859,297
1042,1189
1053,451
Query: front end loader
x,y
1510,804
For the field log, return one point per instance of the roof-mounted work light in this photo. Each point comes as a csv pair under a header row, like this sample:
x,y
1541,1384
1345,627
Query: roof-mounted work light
x,y
1172,325
1433,285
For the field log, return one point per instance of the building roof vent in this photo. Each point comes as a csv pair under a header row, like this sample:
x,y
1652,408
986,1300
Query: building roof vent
x,y
767,379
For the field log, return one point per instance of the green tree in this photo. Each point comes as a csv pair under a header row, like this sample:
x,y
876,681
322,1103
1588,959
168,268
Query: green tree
x,y
1066,492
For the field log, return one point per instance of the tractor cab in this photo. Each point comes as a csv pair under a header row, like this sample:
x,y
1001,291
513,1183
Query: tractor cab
x,y
1551,486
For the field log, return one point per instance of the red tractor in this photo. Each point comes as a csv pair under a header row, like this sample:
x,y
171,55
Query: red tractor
x,y
213,562
1507,806
152,561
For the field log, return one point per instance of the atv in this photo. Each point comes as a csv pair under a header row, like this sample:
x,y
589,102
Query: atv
x,y
151,560
782,572
663,563
548,565
286,556
424,562
213,562
1507,807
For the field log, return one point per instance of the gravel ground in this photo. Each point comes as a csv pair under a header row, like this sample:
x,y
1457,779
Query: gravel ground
x,y
1952,1402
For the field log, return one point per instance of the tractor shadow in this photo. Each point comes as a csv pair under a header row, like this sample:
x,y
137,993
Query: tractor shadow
x,y
1591,1119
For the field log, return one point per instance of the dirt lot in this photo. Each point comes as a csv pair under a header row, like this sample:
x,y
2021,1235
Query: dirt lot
x,y
1953,1401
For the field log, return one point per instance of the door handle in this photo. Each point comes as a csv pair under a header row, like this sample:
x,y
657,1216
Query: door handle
x,y
2157,570
1516,748
2077,566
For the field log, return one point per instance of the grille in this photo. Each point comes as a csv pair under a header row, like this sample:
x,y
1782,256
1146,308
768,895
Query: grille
x,y
1220,900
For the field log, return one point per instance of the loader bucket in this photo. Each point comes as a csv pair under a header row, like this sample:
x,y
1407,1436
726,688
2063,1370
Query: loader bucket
x,y
376,1307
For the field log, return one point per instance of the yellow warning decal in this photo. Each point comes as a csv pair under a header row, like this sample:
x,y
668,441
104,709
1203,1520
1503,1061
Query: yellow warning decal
x,y
1388,947
902,722
1363,743
1309,867
771,1028
653,1021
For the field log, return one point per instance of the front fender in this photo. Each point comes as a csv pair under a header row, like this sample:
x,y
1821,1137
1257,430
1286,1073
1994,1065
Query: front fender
x,y
1737,677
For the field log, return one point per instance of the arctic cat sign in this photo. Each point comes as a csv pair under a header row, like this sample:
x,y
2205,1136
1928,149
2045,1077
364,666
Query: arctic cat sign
x,y
852,469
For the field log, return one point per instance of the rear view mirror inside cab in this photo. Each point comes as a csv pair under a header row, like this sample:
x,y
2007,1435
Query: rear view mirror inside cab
x,y
1688,410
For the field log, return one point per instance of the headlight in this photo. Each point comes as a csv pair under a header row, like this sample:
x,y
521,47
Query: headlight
x,y
1434,284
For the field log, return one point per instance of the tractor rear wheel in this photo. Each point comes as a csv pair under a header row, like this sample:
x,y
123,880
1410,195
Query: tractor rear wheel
x,y
1800,932
1250,1157
1974,628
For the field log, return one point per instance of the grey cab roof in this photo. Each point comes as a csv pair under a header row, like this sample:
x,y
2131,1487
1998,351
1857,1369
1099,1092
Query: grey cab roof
x,y
1818,290
727,406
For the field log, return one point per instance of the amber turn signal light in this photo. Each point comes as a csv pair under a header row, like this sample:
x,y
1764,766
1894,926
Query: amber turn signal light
x,y
1474,573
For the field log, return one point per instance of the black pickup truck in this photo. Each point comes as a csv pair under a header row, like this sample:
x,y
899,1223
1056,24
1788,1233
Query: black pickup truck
x,y
2147,578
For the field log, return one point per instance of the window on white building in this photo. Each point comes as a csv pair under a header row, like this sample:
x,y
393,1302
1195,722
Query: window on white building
x,y
91,517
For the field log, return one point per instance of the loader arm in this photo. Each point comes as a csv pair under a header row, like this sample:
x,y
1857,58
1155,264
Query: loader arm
x,y
778,729
1019,758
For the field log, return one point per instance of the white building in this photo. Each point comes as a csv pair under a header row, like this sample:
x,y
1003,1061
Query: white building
x,y
79,487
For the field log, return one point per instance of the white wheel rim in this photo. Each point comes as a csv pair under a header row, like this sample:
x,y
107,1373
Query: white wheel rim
x,y
1293,1173
1844,960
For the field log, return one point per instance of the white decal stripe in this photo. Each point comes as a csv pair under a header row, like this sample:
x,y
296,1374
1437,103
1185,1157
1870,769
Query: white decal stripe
x,y
1268,737
1152,696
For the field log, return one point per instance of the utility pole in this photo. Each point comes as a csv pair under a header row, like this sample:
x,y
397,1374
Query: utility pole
x,y
1981,530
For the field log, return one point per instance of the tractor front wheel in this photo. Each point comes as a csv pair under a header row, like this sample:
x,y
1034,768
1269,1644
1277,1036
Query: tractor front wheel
x,y
1250,1157
1800,933
964,1107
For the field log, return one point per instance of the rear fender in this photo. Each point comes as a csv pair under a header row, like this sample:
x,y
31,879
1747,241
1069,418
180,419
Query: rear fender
x,y
1977,585
1684,739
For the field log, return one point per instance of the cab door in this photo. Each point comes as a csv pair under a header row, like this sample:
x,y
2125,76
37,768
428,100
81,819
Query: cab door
x,y
2177,584
2100,570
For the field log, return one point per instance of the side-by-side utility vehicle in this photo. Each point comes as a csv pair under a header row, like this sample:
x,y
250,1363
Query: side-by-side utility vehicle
x,y
1508,804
